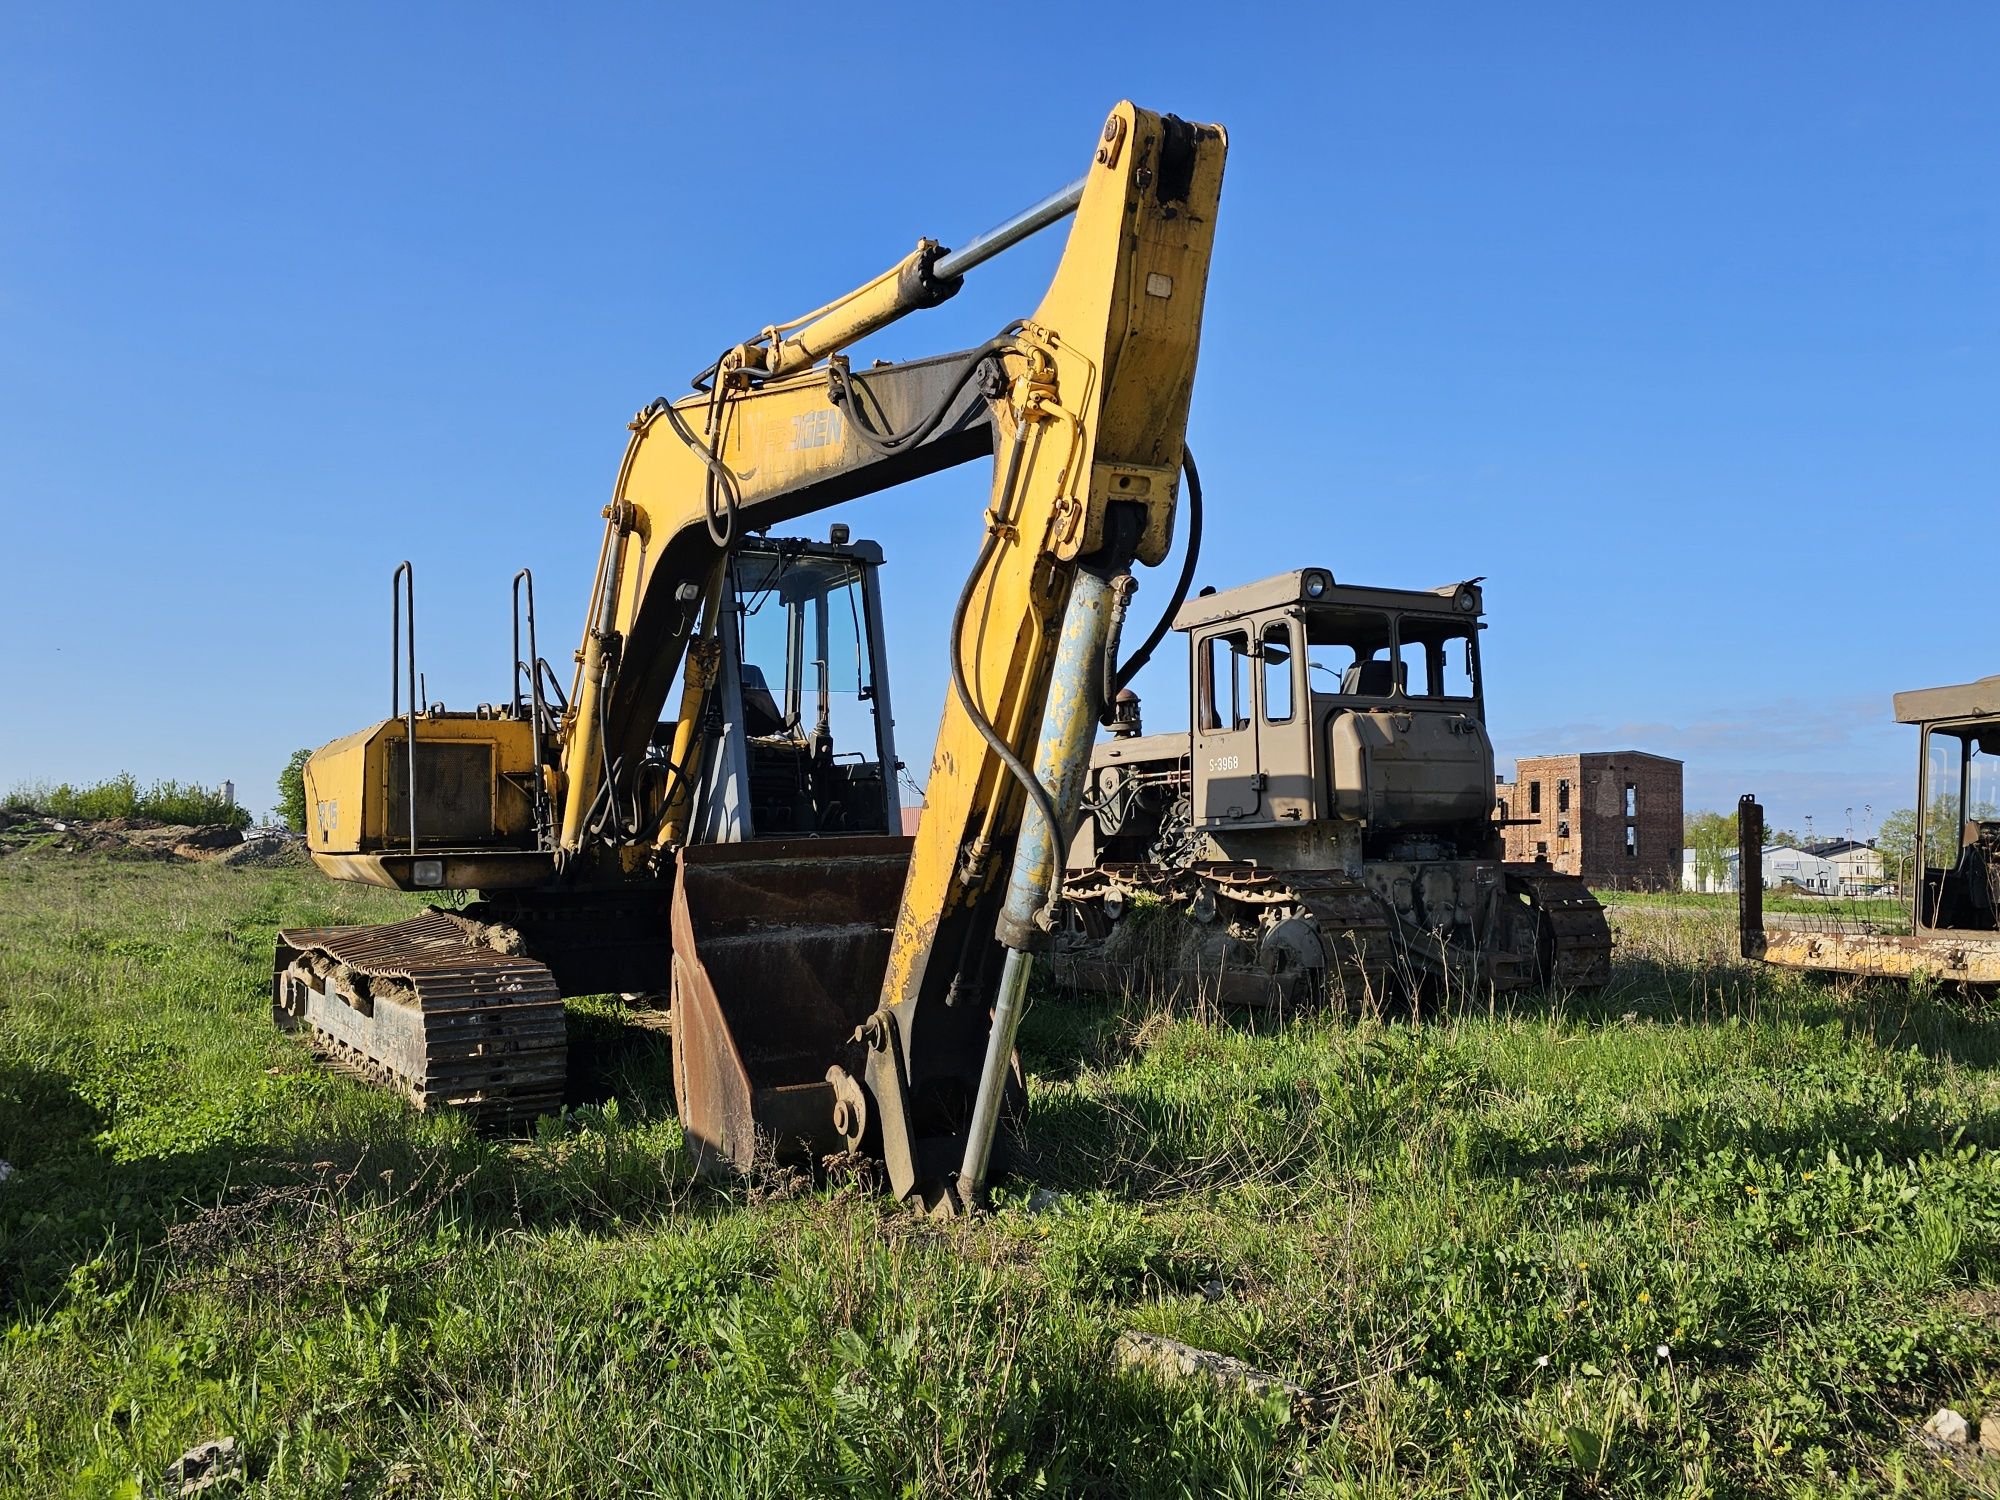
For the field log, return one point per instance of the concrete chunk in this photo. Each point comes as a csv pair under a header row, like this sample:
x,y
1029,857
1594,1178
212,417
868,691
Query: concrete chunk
x,y
1947,1426
1172,1360
205,1466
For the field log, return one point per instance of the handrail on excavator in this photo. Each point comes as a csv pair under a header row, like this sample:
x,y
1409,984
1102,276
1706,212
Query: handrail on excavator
x,y
401,601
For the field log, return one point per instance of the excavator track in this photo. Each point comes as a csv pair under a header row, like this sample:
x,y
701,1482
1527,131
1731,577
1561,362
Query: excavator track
x,y
429,1009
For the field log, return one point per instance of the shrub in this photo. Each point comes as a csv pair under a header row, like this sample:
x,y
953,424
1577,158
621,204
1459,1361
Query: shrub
x,y
292,791
115,798
177,802
120,797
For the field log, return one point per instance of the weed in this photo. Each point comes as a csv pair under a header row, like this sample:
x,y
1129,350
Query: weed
x,y
328,1232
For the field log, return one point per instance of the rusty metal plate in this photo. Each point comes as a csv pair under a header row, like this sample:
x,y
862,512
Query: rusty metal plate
x,y
1957,957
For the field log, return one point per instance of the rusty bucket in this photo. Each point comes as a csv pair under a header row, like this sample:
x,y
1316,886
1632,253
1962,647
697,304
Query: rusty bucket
x,y
779,951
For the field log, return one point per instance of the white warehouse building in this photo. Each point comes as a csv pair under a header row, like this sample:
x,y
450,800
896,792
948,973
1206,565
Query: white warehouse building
x,y
1783,865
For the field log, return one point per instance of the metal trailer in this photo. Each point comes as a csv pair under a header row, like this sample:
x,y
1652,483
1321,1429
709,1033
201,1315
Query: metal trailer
x,y
1953,890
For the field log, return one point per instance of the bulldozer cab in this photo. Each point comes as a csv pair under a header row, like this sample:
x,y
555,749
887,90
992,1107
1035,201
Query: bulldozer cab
x,y
1958,786
1318,701
807,744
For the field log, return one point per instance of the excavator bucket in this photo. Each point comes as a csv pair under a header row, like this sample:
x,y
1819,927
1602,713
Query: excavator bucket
x,y
779,950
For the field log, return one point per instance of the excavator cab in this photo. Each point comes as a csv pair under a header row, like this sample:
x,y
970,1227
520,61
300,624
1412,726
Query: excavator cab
x,y
449,1007
807,743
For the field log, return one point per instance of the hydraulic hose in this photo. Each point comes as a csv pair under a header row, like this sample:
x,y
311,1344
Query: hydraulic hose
x,y
1140,657
961,683
1045,802
843,388
721,518
721,521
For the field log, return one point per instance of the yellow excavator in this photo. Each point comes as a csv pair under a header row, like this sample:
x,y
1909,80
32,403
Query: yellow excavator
x,y
834,987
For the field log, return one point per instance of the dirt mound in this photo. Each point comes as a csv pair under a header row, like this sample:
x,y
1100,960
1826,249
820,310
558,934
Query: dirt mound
x,y
31,833
175,838
141,838
265,847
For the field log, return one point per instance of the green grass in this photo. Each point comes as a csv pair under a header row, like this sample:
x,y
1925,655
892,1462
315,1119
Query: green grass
x,y
1471,1237
120,797
1868,908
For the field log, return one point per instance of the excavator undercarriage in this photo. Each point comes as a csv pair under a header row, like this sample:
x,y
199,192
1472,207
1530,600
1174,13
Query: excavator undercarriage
x,y
436,1008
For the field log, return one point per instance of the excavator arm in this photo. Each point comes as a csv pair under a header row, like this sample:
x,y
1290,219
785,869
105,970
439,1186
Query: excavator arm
x,y
1083,406
698,475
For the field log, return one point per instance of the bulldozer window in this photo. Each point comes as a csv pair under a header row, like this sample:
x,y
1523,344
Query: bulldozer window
x,y
1349,653
1443,657
1275,650
1225,681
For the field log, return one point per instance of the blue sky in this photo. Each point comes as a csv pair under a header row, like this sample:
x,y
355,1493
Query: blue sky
x,y
1680,324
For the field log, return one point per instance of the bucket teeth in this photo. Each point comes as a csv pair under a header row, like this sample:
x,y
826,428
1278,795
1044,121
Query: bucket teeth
x,y
426,1009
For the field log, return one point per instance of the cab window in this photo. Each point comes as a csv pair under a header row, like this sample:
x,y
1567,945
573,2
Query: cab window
x,y
1963,780
1225,681
1350,653
1274,654
1441,656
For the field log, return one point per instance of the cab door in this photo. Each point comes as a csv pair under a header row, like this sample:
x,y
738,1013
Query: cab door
x,y
1228,780
1285,752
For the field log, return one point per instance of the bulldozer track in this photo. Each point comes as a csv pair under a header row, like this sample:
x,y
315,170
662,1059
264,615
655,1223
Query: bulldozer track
x,y
1357,934
1369,951
423,1008
1575,952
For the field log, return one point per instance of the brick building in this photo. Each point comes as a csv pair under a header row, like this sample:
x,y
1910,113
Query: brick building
x,y
1612,817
